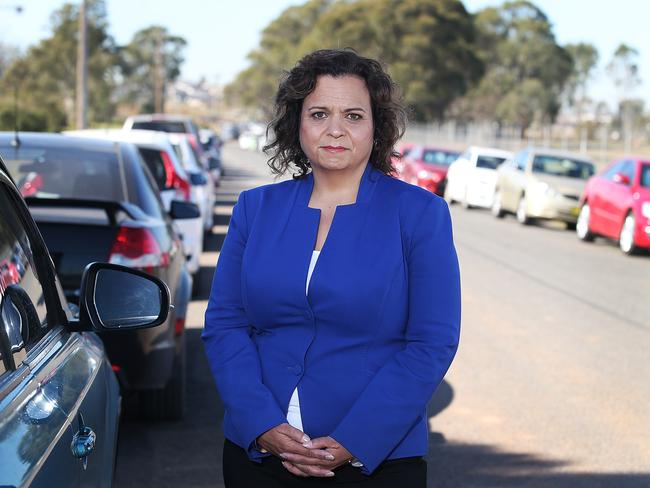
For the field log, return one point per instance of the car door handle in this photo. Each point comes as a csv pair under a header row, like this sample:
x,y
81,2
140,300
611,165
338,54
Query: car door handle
x,y
83,442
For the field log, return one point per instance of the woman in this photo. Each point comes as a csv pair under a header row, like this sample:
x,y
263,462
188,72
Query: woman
x,y
335,307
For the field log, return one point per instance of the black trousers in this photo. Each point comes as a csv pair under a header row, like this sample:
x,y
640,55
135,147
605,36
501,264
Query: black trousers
x,y
241,472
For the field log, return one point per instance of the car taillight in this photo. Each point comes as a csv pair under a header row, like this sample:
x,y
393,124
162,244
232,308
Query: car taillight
x,y
174,180
137,248
179,326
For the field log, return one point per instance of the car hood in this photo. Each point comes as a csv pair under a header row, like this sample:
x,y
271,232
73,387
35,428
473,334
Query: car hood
x,y
563,185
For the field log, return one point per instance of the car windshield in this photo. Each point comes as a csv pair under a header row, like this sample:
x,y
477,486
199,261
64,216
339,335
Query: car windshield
x,y
65,172
436,156
645,175
161,126
561,166
490,162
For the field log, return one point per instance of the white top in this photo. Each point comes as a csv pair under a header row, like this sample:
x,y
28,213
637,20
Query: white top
x,y
293,414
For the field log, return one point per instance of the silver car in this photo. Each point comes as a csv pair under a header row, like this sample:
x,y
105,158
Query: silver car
x,y
59,398
541,184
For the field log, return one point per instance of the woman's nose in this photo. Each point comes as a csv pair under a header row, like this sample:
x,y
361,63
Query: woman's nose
x,y
335,127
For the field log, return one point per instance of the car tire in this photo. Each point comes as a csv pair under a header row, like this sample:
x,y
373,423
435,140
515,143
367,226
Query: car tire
x,y
522,215
582,226
167,403
626,236
497,209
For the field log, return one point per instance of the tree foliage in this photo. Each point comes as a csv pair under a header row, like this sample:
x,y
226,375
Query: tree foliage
x,y
526,70
152,52
46,75
427,46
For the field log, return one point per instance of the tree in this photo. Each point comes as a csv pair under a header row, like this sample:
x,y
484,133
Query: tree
x,y
45,76
624,71
427,46
585,59
151,61
526,70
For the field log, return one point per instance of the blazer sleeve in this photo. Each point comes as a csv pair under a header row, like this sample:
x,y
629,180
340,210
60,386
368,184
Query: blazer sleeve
x,y
250,406
397,396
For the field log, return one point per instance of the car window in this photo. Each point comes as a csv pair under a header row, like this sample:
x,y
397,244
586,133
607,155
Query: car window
x,y
628,170
520,160
436,156
22,301
613,170
143,190
65,172
489,162
161,126
154,161
645,175
562,166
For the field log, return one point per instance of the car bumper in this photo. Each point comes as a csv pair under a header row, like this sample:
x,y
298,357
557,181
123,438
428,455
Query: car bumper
x,y
481,195
557,208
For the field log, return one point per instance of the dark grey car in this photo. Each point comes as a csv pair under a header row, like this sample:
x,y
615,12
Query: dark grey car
x,y
59,398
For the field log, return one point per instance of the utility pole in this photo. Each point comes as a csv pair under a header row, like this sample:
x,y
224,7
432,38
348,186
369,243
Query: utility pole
x,y
159,83
82,68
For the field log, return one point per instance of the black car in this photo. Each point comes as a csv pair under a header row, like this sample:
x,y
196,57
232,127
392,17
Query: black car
x,y
59,399
95,200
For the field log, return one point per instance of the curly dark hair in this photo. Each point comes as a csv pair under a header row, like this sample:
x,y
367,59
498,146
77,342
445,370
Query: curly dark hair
x,y
388,113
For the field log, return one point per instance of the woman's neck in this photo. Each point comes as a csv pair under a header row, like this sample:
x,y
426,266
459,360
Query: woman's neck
x,y
332,188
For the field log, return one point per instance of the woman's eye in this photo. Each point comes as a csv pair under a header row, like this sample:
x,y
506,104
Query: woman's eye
x,y
354,117
319,115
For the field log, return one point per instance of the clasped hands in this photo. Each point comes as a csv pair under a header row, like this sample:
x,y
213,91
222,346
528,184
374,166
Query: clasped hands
x,y
301,455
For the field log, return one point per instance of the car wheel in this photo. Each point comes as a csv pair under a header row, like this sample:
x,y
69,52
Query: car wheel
x,y
497,210
582,226
522,215
626,237
167,403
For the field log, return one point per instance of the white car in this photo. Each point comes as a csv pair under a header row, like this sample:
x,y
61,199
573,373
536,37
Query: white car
x,y
172,180
203,190
472,177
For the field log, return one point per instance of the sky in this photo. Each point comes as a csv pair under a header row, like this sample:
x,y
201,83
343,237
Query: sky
x,y
221,33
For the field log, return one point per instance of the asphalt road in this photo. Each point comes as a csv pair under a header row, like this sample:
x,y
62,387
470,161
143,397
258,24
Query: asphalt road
x,y
550,387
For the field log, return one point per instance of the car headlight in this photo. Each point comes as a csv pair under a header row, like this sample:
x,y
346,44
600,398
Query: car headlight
x,y
546,189
426,175
645,209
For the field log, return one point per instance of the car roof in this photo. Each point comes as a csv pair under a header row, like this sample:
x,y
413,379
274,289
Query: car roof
x,y
559,153
166,117
59,141
136,136
490,151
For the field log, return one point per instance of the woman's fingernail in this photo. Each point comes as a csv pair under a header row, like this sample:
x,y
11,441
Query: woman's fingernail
x,y
307,444
329,474
329,457
305,438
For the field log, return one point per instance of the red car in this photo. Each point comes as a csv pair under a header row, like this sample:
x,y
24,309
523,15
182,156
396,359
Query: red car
x,y
616,204
427,167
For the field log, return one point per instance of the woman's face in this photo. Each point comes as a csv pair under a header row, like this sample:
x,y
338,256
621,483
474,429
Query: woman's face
x,y
336,126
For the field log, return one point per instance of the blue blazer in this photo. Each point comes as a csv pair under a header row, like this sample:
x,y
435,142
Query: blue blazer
x,y
369,344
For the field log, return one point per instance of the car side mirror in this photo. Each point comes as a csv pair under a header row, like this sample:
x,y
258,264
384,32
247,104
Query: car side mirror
x,y
184,210
198,179
213,163
114,297
621,178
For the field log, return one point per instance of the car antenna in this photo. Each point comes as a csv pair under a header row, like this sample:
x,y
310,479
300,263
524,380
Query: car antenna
x,y
16,140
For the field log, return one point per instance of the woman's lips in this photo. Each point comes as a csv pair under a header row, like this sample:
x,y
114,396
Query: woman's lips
x,y
333,149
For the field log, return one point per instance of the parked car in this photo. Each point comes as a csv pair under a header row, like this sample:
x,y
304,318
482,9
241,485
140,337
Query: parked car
x,y
97,201
427,166
212,145
60,407
172,180
616,204
541,183
202,187
398,162
173,124
472,177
